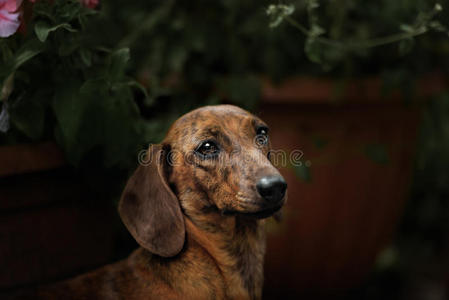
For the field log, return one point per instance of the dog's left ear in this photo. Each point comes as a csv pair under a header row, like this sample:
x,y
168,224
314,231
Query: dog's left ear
x,y
150,210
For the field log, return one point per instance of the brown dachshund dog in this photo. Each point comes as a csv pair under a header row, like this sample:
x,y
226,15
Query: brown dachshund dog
x,y
196,207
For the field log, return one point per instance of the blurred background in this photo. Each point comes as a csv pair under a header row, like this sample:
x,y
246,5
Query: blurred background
x,y
359,87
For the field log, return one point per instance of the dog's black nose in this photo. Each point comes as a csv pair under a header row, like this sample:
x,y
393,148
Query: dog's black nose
x,y
272,188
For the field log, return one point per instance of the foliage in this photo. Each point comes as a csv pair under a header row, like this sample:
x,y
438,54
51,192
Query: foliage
x,y
67,87
409,39
185,55
331,49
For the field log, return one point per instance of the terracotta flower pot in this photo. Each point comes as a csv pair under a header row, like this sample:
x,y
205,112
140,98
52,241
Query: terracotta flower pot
x,y
51,225
360,150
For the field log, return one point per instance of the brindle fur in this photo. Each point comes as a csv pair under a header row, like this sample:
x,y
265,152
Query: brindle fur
x,y
222,251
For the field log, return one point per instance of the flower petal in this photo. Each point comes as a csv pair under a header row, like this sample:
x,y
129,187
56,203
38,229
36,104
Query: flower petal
x,y
90,3
12,5
9,22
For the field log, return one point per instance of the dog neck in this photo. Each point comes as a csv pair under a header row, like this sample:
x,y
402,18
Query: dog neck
x,y
237,246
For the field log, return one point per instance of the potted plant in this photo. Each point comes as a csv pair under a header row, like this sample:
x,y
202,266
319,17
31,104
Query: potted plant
x,y
63,95
358,138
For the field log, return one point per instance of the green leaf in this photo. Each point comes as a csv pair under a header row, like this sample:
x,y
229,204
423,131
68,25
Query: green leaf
x,y
71,112
278,13
407,28
27,115
44,9
69,10
67,48
27,52
97,116
312,4
377,153
86,56
43,29
118,61
316,31
7,88
113,121
83,17
148,100
435,25
312,49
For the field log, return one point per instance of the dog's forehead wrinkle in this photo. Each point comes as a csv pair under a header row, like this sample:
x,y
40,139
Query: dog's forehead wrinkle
x,y
221,119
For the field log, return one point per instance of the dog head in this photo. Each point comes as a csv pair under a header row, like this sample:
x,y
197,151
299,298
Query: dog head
x,y
214,160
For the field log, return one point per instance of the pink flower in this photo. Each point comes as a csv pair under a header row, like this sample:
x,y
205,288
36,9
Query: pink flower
x,y
90,3
9,17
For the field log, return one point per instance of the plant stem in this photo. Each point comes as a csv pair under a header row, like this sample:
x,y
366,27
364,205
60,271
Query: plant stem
x,y
371,43
388,39
306,32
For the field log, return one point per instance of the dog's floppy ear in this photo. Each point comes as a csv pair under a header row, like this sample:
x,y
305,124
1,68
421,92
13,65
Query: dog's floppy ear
x,y
150,210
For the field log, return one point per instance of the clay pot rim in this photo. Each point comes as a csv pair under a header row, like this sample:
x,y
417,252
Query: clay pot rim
x,y
314,90
26,158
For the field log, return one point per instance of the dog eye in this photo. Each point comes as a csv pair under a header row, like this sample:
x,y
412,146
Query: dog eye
x,y
261,136
262,130
208,149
